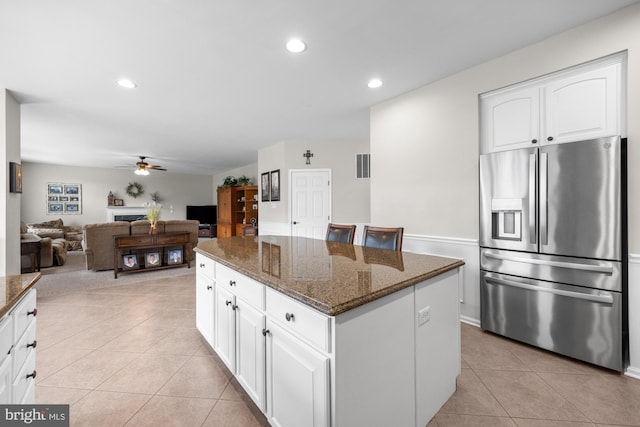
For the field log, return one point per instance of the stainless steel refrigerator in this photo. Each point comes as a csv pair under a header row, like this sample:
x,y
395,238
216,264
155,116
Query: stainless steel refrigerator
x,y
553,248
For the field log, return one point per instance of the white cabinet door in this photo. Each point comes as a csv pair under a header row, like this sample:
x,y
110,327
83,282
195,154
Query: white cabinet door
x,y
297,381
6,380
224,326
510,119
584,105
250,351
204,306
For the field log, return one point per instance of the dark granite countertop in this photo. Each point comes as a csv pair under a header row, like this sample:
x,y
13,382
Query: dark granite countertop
x,y
331,277
12,288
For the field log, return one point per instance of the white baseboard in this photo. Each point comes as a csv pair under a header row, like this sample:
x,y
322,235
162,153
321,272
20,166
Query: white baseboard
x,y
633,372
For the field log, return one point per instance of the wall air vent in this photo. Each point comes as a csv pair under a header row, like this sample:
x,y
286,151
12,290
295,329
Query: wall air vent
x,y
363,166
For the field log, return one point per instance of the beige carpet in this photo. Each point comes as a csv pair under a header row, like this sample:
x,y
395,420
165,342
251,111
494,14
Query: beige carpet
x,y
73,276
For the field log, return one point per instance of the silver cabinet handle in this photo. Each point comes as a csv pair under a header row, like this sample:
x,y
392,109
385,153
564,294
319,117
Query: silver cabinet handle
x,y
607,299
607,268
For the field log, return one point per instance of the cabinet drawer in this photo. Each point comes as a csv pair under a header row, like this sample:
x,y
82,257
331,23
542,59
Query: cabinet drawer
x,y
24,347
6,336
171,240
241,286
24,378
206,266
23,314
299,319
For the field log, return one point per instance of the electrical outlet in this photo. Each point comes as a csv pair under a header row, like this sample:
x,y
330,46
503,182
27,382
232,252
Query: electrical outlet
x,y
424,315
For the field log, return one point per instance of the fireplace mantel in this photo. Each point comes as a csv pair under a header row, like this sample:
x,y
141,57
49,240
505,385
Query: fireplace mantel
x,y
114,211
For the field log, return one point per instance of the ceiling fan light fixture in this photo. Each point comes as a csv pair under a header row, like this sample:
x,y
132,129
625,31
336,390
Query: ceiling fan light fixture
x,y
127,84
296,46
142,172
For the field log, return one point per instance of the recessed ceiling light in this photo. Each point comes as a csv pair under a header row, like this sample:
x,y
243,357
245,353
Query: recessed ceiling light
x,y
374,83
296,46
126,83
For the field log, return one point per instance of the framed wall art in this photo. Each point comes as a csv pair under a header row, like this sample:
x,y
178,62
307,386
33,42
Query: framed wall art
x,y
15,177
275,186
265,185
64,199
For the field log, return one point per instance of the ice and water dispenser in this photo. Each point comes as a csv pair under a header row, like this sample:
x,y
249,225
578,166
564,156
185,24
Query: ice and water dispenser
x,y
506,219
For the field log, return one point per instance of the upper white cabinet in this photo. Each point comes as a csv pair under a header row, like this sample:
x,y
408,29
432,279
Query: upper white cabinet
x,y
582,103
511,119
584,106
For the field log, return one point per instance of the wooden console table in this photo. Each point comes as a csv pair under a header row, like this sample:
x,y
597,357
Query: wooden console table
x,y
160,241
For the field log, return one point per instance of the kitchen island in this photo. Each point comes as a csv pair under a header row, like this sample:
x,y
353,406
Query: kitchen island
x,y
330,334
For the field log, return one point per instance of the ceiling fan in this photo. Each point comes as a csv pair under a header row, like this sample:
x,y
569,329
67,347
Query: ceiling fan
x,y
143,167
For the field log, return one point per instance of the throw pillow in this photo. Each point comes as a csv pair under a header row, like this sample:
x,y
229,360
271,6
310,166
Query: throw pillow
x,y
46,232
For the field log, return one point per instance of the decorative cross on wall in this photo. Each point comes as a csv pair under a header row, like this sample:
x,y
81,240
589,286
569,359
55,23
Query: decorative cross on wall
x,y
308,155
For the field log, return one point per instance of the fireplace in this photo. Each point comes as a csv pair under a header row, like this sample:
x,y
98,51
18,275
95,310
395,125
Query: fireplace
x,y
126,213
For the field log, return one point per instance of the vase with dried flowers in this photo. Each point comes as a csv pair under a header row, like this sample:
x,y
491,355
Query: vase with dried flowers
x,y
153,214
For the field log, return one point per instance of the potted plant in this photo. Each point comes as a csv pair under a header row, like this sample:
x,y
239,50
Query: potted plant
x,y
244,180
230,180
153,215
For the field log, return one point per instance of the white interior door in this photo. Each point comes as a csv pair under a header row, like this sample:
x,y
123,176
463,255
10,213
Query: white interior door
x,y
310,202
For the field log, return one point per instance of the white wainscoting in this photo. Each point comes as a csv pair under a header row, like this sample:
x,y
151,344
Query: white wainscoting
x,y
634,316
464,249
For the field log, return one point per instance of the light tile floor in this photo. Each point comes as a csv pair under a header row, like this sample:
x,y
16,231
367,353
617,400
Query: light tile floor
x,y
130,355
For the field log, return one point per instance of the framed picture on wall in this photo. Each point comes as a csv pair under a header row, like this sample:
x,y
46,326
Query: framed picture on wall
x,y
15,177
64,199
55,208
275,186
55,188
264,186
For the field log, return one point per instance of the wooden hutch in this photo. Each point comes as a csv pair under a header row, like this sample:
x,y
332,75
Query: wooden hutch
x,y
237,205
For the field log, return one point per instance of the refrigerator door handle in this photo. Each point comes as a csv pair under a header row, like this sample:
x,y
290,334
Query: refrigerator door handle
x,y
607,299
543,199
532,198
607,268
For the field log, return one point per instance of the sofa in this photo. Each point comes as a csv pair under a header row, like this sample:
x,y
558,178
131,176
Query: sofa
x,y
97,239
70,234
53,245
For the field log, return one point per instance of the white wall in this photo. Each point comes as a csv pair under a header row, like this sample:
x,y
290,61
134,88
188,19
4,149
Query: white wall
x,y
350,196
176,191
9,202
429,137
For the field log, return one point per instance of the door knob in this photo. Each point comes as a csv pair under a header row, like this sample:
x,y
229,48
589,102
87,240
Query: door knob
x,y
295,222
